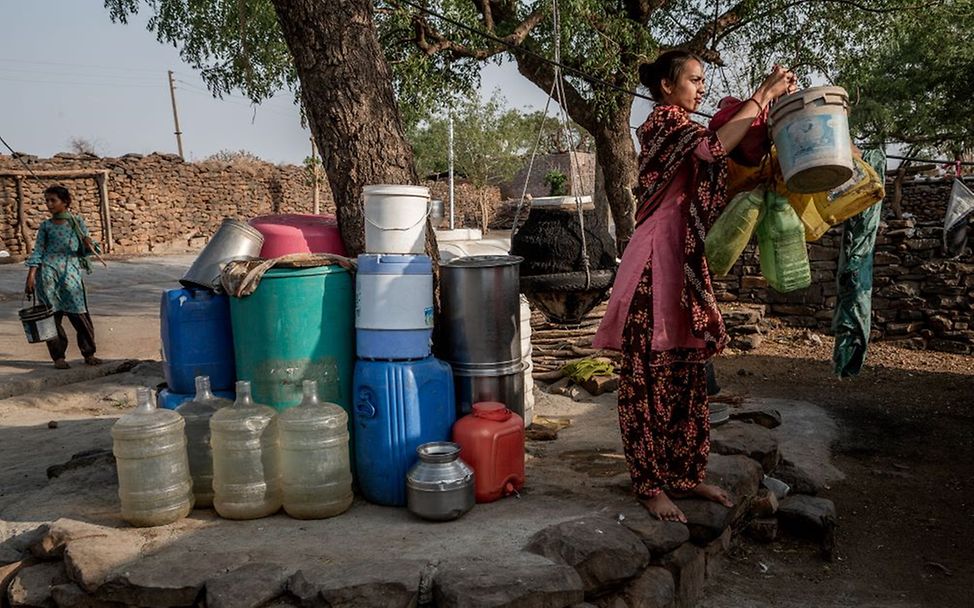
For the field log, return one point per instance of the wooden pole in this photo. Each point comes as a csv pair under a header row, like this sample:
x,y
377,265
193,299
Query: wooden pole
x,y
175,115
21,223
314,176
106,214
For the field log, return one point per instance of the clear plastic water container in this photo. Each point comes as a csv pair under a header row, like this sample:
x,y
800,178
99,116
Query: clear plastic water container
x,y
154,484
197,413
246,458
316,474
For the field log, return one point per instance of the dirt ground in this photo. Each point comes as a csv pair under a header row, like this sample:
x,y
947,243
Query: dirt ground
x,y
906,507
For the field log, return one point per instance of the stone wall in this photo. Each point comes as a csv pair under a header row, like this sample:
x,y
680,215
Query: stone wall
x,y
160,203
156,202
919,297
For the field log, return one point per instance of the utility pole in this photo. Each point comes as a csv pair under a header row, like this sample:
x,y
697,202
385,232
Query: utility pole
x,y
449,156
314,175
175,116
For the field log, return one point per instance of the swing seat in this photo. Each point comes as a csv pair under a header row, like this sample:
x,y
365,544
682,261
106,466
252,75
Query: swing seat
x,y
565,297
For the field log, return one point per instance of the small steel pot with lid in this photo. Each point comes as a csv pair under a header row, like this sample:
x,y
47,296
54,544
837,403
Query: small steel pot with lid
x,y
440,487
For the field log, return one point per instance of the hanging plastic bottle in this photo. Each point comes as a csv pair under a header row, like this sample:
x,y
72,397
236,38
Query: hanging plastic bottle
x,y
154,484
197,413
316,472
781,242
246,458
733,229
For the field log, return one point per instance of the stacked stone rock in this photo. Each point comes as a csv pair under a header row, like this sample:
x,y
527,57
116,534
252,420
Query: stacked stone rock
x,y
159,202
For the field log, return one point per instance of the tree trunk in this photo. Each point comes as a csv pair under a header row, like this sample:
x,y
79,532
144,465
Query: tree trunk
x,y
616,155
346,87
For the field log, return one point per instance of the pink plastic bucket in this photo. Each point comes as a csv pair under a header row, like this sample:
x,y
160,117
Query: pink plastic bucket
x,y
297,233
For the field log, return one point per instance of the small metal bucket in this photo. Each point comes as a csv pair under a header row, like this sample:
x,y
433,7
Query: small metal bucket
x,y
38,322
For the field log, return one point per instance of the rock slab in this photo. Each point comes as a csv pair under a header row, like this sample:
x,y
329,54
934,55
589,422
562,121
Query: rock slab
x,y
751,440
248,586
653,589
390,583
688,566
602,551
797,478
31,586
660,537
811,517
524,581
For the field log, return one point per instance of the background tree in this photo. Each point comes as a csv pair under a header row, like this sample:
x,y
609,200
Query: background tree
x,y
913,84
331,49
609,41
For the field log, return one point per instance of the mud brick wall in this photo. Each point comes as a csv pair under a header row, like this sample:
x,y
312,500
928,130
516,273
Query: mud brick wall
x,y
919,297
160,203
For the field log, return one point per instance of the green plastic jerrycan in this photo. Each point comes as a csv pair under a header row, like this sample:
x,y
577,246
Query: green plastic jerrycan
x,y
781,243
733,229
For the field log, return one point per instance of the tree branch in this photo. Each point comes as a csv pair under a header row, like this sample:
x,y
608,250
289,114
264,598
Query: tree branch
x,y
542,74
431,41
715,30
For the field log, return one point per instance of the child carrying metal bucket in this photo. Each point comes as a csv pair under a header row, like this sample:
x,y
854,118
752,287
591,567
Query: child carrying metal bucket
x,y
60,253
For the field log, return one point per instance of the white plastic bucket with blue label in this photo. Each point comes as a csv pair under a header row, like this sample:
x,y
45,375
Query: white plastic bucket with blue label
x,y
810,129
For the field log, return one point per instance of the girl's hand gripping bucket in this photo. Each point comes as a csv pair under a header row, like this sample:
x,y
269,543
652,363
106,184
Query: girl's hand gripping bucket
x,y
810,129
395,218
38,321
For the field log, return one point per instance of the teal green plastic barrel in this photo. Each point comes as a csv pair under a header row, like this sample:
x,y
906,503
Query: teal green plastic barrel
x,y
298,325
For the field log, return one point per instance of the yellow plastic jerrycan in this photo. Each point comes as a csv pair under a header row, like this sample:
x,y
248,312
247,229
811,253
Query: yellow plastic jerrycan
x,y
733,229
862,191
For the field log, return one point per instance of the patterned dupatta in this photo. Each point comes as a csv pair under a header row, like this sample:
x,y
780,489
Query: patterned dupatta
x,y
668,139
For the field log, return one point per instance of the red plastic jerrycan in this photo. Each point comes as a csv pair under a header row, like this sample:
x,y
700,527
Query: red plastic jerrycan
x,y
492,443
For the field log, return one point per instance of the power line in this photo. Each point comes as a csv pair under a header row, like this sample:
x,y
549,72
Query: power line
x,y
79,65
82,84
932,160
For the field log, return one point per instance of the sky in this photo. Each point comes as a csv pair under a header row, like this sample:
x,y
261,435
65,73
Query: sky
x,y
67,71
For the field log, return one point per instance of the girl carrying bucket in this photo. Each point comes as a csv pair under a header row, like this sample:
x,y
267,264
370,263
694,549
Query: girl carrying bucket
x,y
662,313
60,252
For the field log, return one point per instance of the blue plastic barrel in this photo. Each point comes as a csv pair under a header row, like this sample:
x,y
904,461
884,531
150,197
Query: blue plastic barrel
x,y
399,405
196,339
393,307
170,400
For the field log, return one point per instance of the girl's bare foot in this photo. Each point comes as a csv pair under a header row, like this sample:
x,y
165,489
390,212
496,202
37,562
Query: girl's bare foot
x,y
92,360
61,364
714,493
661,507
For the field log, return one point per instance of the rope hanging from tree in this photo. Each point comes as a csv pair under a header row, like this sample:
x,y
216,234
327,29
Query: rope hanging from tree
x,y
557,93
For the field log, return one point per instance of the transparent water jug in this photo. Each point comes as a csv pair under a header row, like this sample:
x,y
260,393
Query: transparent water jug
x,y
316,474
246,458
733,229
154,484
197,413
781,242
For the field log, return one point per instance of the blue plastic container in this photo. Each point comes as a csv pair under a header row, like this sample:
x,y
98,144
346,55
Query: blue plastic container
x,y
393,307
170,400
398,406
196,339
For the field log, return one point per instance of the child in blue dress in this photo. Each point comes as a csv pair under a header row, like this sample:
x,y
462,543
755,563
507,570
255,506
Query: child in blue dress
x,y
60,253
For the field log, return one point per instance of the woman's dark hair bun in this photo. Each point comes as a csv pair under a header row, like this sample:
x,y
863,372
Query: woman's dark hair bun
x,y
668,66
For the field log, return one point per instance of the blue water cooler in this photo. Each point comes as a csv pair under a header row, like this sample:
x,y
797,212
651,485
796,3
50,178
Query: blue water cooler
x,y
393,307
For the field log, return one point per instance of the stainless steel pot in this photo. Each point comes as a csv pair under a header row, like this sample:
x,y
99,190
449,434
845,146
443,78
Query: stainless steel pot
x,y
234,240
501,383
440,487
481,319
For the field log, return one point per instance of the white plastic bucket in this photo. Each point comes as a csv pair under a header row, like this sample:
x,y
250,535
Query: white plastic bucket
x,y
395,218
810,129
